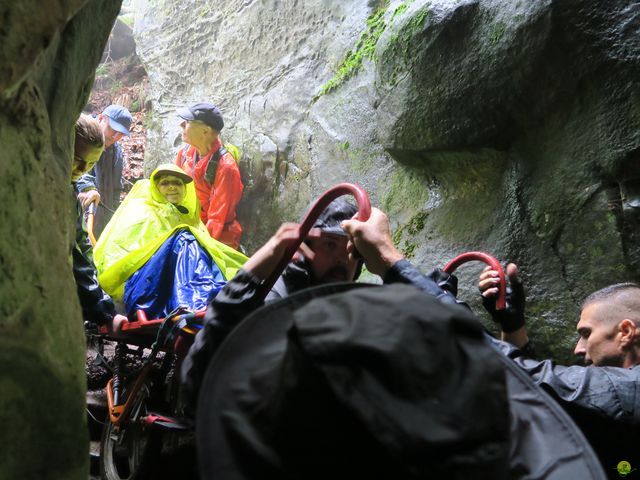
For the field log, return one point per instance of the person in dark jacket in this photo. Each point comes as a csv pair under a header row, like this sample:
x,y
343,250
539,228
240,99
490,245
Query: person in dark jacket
x,y
102,184
97,307
600,396
376,382
327,255
608,332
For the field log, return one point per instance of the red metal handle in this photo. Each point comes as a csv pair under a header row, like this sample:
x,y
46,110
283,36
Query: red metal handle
x,y
364,212
501,301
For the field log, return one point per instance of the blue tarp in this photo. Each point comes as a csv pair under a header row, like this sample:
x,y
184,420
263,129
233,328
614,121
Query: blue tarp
x,y
180,273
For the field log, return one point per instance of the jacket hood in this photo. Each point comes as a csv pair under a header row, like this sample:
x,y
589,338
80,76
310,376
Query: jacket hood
x,y
189,203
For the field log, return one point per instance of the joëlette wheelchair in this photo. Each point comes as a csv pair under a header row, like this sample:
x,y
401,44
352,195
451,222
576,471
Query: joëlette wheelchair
x,y
143,395
143,399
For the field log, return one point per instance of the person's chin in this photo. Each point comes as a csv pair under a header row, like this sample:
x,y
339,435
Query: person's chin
x,y
335,276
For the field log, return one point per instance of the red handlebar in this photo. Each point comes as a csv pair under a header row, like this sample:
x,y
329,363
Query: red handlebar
x,y
501,300
364,212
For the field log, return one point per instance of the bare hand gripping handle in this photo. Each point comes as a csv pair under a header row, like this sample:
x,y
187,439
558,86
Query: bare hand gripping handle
x,y
364,211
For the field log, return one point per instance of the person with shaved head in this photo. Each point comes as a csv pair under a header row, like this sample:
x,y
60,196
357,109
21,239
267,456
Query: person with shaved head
x,y
608,327
600,396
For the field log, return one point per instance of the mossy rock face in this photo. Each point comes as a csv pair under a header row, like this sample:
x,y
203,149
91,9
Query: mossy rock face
x,y
49,440
48,56
509,78
497,125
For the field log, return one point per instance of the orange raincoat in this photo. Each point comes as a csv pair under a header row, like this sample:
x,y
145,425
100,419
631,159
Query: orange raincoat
x,y
218,201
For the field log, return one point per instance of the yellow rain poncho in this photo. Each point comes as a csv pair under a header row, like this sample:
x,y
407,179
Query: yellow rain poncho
x,y
142,223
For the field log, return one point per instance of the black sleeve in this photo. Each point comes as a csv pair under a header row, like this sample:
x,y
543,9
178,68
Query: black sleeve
x,y
437,283
235,301
608,392
97,306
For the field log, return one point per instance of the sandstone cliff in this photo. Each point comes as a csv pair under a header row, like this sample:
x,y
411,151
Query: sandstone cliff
x,y
48,53
498,125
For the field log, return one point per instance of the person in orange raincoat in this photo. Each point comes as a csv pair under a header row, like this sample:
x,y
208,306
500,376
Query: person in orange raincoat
x,y
215,171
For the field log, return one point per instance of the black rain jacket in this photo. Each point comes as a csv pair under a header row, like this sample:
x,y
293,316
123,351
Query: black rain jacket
x,y
603,401
97,306
237,299
377,383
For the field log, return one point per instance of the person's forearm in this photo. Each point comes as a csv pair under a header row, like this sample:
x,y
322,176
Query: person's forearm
x,y
437,283
518,338
263,262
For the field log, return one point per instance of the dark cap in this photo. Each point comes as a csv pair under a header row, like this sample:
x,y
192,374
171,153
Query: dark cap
x,y
339,210
204,112
119,118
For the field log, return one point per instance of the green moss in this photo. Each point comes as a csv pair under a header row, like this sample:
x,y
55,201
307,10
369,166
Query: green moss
x,y
400,9
127,19
400,50
417,222
408,250
365,48
406,192
366,45
204,11
102,69
410,229
361,163
497,32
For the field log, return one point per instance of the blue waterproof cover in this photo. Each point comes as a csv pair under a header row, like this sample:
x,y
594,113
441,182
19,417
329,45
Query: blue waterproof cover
x,y
180,273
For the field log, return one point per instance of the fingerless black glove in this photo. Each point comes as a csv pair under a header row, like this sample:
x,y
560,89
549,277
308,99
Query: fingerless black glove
x,y
512,317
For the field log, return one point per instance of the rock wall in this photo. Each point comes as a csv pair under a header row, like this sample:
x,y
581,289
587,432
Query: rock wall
x,y
48,53
497,125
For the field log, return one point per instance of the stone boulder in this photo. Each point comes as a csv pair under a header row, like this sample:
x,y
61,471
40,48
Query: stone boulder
x,y
509,127
48,54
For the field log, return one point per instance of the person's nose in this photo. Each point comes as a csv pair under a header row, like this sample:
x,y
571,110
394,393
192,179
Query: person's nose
x,y
581,348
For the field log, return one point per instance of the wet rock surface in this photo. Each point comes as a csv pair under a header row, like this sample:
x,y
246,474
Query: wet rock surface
x,y
478,125
48,54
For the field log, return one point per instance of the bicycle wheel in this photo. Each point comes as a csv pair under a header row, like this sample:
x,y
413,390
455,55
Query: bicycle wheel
x,y
129,452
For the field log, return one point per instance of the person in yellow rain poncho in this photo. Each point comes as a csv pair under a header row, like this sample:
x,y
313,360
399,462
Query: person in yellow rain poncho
x,y
156,254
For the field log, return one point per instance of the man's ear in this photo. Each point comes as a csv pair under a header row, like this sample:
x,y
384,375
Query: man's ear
x,y
627,329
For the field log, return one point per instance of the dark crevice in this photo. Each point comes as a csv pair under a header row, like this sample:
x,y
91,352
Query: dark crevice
x,y
624,202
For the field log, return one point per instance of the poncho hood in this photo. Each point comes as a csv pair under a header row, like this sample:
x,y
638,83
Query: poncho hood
x,y
142,223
